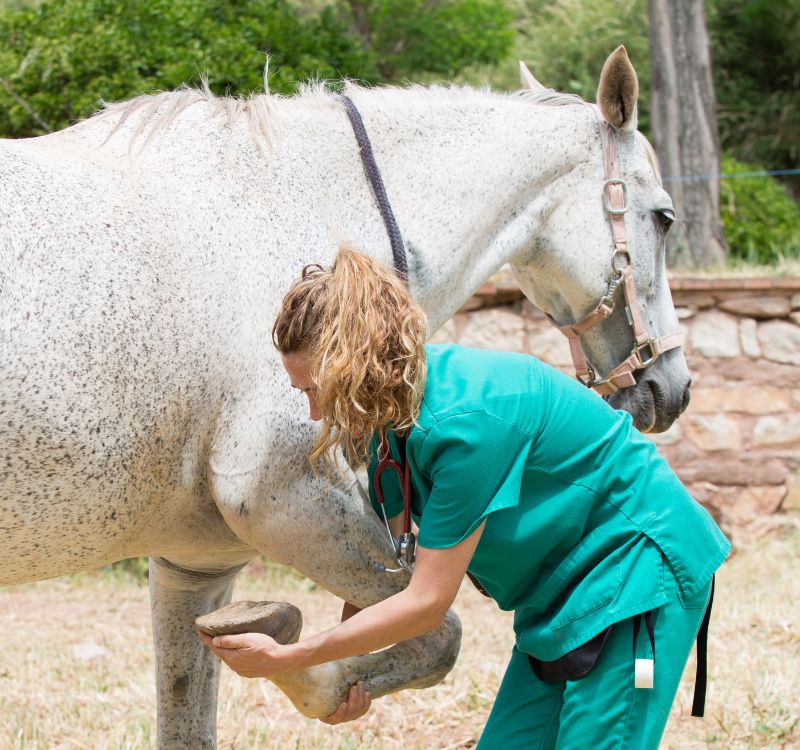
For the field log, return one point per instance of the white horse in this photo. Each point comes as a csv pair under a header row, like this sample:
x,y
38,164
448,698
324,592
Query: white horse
x,y
143,409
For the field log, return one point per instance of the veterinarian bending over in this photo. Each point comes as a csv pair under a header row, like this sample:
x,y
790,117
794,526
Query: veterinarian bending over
x,y
560,509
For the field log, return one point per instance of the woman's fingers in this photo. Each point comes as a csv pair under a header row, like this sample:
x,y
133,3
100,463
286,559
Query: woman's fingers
x,y
358,703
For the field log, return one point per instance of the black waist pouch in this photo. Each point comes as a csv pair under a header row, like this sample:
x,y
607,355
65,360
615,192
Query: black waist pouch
x,y
574,664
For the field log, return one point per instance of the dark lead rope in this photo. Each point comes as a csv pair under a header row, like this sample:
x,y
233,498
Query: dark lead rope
x,y
701,675
374,175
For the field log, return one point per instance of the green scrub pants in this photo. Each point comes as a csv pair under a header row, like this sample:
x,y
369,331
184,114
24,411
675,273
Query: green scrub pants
x,y
602,710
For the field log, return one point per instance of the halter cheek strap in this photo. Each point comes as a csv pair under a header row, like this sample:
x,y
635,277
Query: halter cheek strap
x,y
646,349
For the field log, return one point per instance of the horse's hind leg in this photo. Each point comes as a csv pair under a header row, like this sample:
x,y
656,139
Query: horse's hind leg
x,y
187,674
331,535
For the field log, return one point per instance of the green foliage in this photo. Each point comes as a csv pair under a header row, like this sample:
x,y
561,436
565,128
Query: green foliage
x,y
566,42
60,58
756,63
762,223
407,37
135,568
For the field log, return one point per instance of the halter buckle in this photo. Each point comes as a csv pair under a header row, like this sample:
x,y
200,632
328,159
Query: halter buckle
x,y
590,377
615,211
650,345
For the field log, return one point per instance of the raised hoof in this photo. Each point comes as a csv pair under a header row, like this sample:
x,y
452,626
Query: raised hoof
x,y
280,620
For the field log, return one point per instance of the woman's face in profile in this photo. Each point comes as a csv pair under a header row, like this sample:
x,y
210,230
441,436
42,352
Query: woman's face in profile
x,y
296,364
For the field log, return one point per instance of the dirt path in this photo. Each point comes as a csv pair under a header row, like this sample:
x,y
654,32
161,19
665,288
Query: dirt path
x,y
56,695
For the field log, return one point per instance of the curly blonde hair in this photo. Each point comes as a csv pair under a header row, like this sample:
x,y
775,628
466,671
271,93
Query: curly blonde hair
x,y
363,336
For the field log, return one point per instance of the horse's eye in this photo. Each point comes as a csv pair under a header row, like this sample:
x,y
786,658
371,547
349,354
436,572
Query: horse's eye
x,y
666,218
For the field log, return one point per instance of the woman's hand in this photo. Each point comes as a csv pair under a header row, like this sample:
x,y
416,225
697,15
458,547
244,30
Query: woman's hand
x,y
358,703
252,654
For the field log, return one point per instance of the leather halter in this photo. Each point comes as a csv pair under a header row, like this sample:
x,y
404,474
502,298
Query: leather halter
x,y
646,349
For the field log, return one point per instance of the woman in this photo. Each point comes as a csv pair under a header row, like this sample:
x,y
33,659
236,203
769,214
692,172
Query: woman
x,y
545,494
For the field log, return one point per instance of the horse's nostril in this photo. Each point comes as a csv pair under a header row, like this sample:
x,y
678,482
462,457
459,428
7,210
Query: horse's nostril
x,y
686,396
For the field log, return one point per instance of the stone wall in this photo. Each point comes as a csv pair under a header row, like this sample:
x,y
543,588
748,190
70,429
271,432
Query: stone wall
x,y
737,447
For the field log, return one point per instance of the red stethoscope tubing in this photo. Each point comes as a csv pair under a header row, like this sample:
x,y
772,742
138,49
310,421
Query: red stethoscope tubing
x,y
404,475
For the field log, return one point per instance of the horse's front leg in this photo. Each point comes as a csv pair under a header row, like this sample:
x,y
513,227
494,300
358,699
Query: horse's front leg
x,y
331,535
187,673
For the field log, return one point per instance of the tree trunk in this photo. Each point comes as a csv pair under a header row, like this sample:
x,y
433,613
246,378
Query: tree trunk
x,y
684,122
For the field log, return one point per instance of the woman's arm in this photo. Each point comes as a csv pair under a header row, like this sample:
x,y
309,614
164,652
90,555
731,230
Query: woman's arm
x,y
420,607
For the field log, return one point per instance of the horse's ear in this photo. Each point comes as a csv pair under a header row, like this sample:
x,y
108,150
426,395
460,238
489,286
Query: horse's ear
x,y
528,81
618,90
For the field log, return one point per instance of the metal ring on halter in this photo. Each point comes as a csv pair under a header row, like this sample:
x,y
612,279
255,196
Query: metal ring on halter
x,y
637,351
617,270
607,202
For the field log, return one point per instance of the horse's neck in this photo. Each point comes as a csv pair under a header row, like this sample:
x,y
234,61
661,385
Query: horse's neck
x,y
469,174
468,179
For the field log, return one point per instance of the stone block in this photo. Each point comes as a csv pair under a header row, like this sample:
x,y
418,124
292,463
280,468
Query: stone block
x,y
475,302
758,306
735,471
714,433
780,341
547,343
776,431
795,302
760,501
446,334
669,437
748,338
791,503
742,399
715,334
494,328
764,372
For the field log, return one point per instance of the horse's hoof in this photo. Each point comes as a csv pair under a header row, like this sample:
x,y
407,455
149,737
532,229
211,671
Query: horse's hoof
x,y
280,620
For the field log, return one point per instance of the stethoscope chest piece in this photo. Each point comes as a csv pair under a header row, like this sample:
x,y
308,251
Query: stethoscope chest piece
x,y
405,548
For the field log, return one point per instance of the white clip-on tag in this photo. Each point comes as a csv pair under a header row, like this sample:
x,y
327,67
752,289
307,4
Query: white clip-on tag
x,y
643,673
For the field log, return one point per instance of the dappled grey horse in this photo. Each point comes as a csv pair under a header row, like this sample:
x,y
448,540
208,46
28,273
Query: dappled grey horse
x,y
143,254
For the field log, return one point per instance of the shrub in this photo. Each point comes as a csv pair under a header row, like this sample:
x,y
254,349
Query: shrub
x,y
60,58
762,222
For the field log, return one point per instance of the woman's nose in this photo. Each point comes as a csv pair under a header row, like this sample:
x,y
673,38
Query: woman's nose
x,y
313,410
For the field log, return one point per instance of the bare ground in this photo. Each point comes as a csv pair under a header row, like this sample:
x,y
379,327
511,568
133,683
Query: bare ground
x,y
53,699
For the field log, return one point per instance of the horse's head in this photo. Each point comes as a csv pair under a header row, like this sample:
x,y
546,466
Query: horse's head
x,y
599,227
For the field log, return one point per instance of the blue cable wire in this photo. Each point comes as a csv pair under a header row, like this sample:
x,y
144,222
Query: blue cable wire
x,y
732,175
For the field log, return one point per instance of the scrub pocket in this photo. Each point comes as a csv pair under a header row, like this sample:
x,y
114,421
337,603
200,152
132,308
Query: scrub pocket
x,y
588,578
698,600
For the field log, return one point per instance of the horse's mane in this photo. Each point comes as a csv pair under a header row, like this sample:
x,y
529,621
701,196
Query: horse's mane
x,y
260,110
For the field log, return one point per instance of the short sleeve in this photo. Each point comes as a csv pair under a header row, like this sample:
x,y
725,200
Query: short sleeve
x,y
390,484
477,462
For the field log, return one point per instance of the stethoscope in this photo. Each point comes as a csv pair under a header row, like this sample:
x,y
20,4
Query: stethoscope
x,y
404,546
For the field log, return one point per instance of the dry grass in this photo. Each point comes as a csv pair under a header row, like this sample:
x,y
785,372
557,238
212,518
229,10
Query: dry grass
x,y
52,700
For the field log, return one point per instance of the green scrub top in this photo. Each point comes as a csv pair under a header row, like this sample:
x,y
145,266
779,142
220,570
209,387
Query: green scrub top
x,y
584,519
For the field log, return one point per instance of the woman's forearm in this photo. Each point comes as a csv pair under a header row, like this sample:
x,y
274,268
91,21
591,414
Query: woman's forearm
x,y
398,618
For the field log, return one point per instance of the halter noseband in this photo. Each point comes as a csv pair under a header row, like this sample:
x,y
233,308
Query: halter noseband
x,y
646,349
